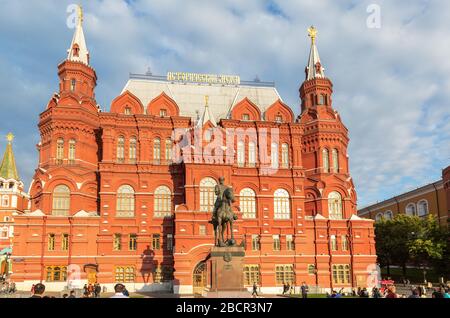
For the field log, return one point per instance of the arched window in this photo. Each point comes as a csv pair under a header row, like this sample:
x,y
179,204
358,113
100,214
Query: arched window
x,y
422,208
325,161
379,217
274,155
59,151
388,215
335,206
162,204
285,155
133,146
335,156
207,195
251,154
157,151
121,149
282,210
247,203
241,154
411,209
168,150
61,200
127,111
125,201
72,144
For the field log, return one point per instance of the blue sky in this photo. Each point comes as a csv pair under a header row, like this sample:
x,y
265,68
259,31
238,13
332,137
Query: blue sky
x,y
391,85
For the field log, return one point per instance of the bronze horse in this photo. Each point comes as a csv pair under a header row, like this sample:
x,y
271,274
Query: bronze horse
x,y
224,216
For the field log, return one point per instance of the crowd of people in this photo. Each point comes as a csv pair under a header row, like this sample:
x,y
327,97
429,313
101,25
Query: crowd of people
x,y
89,291
7,287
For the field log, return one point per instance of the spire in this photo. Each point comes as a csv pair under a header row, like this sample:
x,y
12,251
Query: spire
x,y
206,115
314,68
8,168
78,51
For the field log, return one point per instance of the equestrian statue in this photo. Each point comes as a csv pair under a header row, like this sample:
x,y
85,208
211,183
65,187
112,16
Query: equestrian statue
x,y
223,214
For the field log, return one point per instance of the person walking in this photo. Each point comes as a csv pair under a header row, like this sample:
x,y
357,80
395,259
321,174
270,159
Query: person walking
x,y
255,290
97,290
391,292
119,291
414,294
38,291
304,290
72,294
376,293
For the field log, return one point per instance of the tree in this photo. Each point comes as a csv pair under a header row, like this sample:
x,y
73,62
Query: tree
x,y
407,239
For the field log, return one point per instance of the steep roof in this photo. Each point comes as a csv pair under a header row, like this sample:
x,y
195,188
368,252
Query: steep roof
x,y
314,68
78,51
8,168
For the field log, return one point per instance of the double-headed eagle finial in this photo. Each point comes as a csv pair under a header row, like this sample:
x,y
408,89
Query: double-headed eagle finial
x,y
312,32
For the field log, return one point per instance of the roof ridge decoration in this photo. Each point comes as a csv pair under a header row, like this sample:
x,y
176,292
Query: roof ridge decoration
x,y
8,169
78,51
206,116
314,68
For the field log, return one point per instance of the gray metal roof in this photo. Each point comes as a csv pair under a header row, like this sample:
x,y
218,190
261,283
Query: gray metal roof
x,y
190,97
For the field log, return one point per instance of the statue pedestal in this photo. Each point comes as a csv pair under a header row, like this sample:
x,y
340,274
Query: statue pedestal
x,y
226,268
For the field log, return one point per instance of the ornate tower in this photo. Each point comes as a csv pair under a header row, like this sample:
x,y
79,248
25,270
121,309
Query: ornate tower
x,y
325,141
69,128
13,200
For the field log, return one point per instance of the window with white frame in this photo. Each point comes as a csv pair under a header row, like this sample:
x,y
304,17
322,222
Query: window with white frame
x,y
157,151
333,242
241,154
61,200
120,149
168,150
282,210
125,201
422,208
251,154
5,201
72,144
207,195
335,156
285,155
132,152
325,161
388,215
379,217
274,155
247,203
335,205
59,151
162,203
411,209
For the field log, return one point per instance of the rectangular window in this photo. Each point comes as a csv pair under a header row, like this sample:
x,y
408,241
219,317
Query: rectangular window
x,y
132,242
156,241
65,242
51,242
202,230
245,117
255,243
333,242
341,274
276,243
59,151
124,274
284,274
344,242
56,273
168,151
251,275
162,113
117,242
169,244
311,269
72,144
290,243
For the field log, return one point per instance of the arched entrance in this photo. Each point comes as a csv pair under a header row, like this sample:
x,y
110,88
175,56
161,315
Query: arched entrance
x,y
199,278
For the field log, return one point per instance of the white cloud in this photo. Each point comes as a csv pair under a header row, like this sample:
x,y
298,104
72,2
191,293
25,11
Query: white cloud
x,y
391,85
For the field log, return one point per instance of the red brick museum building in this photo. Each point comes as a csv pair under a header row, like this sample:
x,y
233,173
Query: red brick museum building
x,y
126,195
